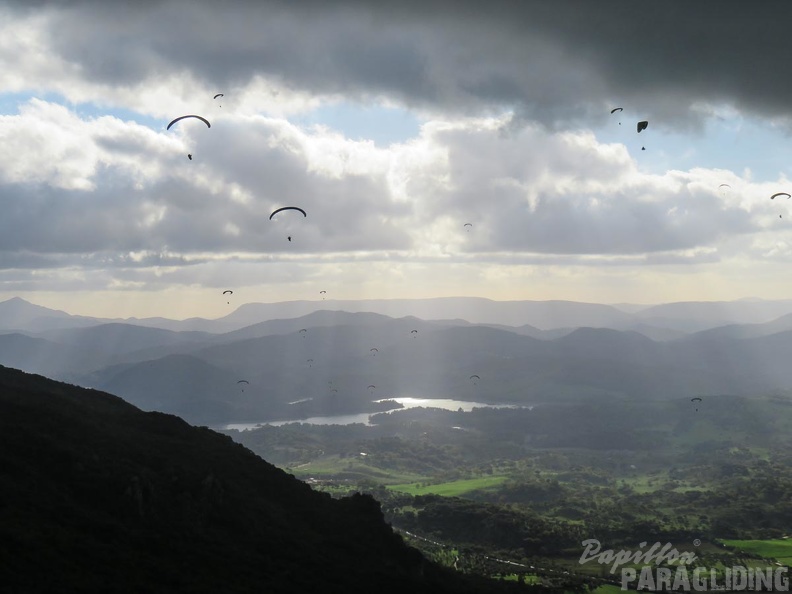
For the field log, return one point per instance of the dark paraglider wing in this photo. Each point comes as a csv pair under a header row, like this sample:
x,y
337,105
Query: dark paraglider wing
x,y
297,208
204,120
642,126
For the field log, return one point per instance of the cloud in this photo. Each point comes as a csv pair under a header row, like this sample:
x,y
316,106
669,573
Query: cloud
x,y
73,185
512,96
555,62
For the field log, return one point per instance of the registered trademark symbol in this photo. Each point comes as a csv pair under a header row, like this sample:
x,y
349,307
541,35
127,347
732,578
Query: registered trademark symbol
x,y
696,542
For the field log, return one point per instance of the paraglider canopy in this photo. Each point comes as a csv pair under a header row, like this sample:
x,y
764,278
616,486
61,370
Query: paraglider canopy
x,y
642,126
218,95
204,120
780,194
615,109
297,208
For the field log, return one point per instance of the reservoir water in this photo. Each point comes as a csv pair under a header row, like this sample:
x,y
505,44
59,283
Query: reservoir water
x,y
406,402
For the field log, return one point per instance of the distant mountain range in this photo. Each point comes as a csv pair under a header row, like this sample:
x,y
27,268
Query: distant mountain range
x,y
681,317
98,496
329,362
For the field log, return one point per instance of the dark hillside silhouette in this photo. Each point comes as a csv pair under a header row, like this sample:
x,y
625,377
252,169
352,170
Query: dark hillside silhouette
x,y
98,496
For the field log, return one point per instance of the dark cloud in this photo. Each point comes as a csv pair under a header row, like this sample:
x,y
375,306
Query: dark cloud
x,y
551,61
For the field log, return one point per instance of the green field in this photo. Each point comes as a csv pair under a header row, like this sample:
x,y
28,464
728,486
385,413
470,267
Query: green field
x,y
350,468
452,488
779,549
607,589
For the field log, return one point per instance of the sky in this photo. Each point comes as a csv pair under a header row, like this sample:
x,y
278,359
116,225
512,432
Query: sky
x,y
438,148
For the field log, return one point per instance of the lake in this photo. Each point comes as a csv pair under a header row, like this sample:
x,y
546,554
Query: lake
x,y
406,402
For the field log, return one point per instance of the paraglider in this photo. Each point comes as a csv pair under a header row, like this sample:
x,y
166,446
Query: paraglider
x,y
374,351
773,197
322,293
469,226
303,331
204,120
696,399
414,333
310,362
216,96
642,126
475,379
229,292
297,208
615,109
243,382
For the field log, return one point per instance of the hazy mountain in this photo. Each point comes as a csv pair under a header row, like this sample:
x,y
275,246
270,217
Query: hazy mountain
x,y
18,314
738,331
329,370
541,314
330,367
118,339
99,496
178,384
660,322
702,315
38,355
323,319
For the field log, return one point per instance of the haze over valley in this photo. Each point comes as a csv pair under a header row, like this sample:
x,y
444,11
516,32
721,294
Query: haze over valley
x,y
255,365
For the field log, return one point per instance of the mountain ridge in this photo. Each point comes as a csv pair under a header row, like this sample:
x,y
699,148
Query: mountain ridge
x,y
110,498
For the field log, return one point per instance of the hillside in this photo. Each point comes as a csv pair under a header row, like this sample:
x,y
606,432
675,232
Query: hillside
x,y
98,496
